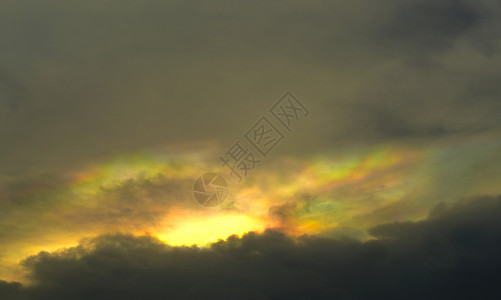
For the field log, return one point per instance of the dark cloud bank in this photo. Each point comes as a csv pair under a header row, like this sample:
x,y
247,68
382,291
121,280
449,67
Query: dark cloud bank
x,y
453,254
84,81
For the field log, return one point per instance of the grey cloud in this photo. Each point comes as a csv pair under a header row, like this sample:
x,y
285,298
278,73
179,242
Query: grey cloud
x,y
424,25
105,78
137,202
134,204
12,92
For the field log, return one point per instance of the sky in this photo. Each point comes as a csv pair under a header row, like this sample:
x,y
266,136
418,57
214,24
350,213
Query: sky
x,y
385,183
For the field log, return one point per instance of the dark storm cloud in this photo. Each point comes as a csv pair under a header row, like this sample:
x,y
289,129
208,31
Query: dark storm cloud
x,y
454,254
9,289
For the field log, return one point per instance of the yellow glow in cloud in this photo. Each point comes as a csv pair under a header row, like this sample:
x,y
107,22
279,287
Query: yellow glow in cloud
x,y
187,228
306,196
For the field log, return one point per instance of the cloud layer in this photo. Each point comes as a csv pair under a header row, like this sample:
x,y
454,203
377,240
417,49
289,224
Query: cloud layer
x,y
109,110
88,81
452,254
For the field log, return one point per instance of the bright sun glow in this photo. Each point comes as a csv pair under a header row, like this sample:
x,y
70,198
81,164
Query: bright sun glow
x,y
200,230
